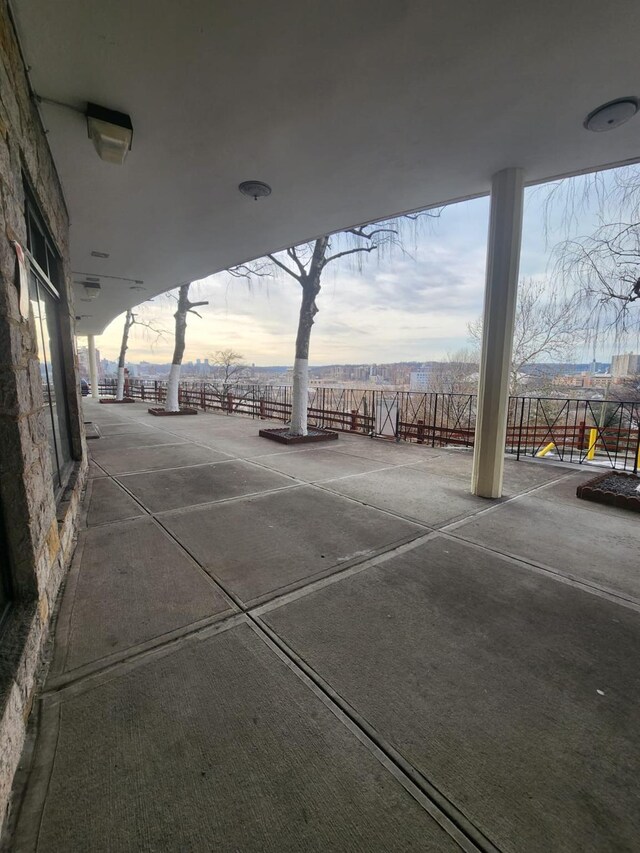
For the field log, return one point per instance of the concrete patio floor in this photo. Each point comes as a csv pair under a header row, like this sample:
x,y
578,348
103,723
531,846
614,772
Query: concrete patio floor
x,y
334,648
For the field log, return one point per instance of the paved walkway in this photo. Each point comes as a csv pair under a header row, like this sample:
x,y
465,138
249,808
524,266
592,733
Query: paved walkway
x,y
335,648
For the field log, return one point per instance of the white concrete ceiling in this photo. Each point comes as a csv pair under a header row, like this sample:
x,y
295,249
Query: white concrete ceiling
x,y
352,110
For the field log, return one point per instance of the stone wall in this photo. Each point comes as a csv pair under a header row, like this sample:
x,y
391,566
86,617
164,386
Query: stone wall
x,y
39,534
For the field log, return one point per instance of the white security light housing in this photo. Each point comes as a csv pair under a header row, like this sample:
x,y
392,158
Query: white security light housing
x,y
91,289
111,133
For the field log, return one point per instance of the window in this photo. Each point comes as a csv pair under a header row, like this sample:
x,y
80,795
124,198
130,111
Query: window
x,y
46,303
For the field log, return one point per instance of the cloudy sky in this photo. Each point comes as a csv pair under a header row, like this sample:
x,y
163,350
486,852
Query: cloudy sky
x,y
405,308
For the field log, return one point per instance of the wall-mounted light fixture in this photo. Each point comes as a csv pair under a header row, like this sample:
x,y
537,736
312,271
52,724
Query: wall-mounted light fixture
x,y
111,133
91,289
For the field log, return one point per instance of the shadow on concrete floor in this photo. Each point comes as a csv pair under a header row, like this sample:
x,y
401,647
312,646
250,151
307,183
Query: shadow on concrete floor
x,y
335,649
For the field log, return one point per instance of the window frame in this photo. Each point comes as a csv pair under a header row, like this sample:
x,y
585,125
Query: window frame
x,y
47,280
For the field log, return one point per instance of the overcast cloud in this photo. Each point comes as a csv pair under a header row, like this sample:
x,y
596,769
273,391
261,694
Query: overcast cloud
x,y
410,308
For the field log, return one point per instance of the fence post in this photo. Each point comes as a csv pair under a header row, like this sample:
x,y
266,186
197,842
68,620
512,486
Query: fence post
x,y
520,430
435,419
354,420
263,409
420,436
229,402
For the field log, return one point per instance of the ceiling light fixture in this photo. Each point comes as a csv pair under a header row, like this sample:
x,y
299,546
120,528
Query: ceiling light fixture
x,y
255,189
612,114
99,254
111,133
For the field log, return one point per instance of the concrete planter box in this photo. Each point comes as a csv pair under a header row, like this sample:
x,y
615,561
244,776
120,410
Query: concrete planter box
x,y
284,437
161,413
612,488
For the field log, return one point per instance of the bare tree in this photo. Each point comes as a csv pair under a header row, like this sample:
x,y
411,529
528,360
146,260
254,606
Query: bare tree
x,y
602,268
457,373
306,264
547,328
131,320
185,306
456,377
231,368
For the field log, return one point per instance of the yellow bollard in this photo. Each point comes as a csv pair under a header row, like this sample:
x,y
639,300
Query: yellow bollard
x,y
593,437
546,449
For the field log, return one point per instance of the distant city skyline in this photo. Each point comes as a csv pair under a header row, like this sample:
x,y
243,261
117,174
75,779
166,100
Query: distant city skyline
x,y
411,308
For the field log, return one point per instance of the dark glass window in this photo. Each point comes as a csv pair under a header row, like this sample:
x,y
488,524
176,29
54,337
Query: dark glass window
x,y
45,302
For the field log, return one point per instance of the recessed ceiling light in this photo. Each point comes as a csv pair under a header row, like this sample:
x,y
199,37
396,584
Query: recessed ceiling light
x,y
612,114
137,287
99,254
255,189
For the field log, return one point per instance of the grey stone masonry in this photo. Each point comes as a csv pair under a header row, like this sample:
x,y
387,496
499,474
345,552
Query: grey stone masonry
x,y
38,533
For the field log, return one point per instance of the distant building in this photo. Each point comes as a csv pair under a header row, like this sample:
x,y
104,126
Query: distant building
x,y
625,365
83,363
420,380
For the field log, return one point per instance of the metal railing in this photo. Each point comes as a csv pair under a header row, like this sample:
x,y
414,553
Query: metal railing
x,y
600,431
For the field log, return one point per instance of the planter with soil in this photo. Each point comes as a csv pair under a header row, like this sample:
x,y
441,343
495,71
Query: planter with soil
x,y
613,488
113,400
161,413
283,435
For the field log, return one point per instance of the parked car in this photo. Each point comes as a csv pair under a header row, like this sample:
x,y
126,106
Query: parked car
x,y
84,387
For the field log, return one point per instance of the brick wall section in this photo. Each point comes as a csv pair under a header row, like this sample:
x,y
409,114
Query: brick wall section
x,y
40,535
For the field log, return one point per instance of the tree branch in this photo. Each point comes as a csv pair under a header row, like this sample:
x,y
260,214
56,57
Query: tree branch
x,y
284,267
291,252
349,252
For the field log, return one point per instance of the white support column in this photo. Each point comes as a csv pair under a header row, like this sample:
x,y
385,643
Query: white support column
x,y
503,259
93,367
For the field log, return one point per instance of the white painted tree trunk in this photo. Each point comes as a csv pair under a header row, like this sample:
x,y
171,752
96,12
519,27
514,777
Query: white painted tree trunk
x,y
171,403
120,385
300,397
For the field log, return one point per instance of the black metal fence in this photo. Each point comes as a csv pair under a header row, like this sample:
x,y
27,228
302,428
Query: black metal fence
x,y
601,431
605,431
